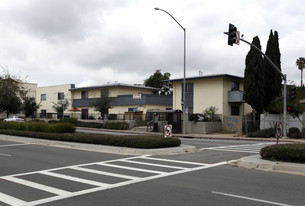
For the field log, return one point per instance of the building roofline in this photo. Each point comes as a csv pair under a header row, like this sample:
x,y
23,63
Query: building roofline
x,y
205,77
115,85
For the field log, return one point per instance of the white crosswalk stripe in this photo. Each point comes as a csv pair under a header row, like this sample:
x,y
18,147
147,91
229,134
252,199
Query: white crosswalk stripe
x,y
158,168
246,148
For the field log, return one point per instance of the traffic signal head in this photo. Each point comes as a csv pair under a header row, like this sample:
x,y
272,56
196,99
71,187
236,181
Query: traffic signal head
x,y
232,35
292,93
290,109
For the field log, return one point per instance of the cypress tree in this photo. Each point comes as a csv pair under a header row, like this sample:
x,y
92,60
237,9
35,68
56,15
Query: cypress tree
x,y
254,93
273,79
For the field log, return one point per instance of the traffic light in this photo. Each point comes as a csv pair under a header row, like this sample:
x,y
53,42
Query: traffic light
x,y
292,93
233,35
290,109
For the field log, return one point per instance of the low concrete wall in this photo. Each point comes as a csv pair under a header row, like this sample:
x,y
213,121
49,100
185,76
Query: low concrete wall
x,y
203,127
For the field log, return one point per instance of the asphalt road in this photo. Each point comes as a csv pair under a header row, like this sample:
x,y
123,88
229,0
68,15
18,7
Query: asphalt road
x,y
42,175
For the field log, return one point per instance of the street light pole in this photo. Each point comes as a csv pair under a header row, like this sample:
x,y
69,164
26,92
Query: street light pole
x,y
184,70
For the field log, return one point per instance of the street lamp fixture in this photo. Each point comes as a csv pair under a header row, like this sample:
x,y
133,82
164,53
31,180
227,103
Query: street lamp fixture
x,y
184,70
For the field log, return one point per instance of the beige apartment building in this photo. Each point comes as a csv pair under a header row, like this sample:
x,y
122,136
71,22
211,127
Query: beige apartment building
x,y
47,96
223,91
127,100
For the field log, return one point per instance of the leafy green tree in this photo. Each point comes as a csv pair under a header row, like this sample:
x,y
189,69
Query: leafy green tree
x,y
273,80
103,104
254,78
155,81
11,93
210,112
301,65
29,106
60,107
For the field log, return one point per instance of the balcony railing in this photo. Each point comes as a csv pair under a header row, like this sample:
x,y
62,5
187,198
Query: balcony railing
x,y
235,97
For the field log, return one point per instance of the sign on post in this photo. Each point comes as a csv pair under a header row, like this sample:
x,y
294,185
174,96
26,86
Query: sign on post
x,y
168,130
279,131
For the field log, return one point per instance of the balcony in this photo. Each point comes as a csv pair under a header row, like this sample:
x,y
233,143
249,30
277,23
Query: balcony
x,y
235,96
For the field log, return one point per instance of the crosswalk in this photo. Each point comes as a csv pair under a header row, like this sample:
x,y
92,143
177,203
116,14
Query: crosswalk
x,y
49,185
246,148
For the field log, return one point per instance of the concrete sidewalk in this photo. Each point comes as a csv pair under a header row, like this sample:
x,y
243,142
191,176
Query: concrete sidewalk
x,y
255,162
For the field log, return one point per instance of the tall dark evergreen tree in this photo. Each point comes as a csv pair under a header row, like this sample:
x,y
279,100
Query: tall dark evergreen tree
x,y
273,80
254,93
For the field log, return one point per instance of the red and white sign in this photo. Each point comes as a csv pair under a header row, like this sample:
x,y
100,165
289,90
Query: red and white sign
x,y
137,96
168,130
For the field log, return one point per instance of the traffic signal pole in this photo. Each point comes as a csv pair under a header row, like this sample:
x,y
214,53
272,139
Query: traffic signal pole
x,y
284,76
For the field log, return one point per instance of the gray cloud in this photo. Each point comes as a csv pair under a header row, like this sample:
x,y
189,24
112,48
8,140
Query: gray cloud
x,y
92,42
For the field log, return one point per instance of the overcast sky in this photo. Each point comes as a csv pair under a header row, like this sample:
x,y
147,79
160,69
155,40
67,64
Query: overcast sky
x,y
92,42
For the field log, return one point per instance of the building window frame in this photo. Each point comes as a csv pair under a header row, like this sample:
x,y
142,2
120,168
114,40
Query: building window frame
x,y
85,94
43,97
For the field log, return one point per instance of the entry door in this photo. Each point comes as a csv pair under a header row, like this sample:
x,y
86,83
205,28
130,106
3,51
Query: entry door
x,y
84,113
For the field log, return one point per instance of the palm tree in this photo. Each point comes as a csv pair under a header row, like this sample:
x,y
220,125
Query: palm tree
x,y
301,65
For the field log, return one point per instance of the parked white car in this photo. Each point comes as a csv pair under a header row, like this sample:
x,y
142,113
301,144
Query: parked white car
x,y
14,119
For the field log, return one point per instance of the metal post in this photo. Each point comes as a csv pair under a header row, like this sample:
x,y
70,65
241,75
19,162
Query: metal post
x,y
184,71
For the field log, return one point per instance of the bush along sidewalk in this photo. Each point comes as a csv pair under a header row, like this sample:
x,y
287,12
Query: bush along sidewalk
x,y
38,127
142,142
284,152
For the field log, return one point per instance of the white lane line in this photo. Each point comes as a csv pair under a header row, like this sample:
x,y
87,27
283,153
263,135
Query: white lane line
x,y
130,168
250,198
240,146
104,173
51,199
76,179
227,150
174,161
11,200
6,155
152,164
65,167
13,145
38,186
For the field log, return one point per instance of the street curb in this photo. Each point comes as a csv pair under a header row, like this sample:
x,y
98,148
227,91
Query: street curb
x,y
255,162
101,148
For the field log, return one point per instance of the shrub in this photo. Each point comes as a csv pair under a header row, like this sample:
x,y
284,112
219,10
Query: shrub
x,y
297,135
88,124
143,142
38,127
116,125
61,128
284,152
53,121
294,130
253,126
194,117
265,133
69,120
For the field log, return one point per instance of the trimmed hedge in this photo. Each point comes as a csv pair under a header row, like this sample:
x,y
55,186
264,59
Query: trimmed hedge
x,y
265,133
88,124
38,127
284,152
143,142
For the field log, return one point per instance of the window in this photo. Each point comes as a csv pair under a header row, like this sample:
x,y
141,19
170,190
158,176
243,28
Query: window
x,y
132,109
84,94
104,92
60,96
235,110
235,86
43,97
